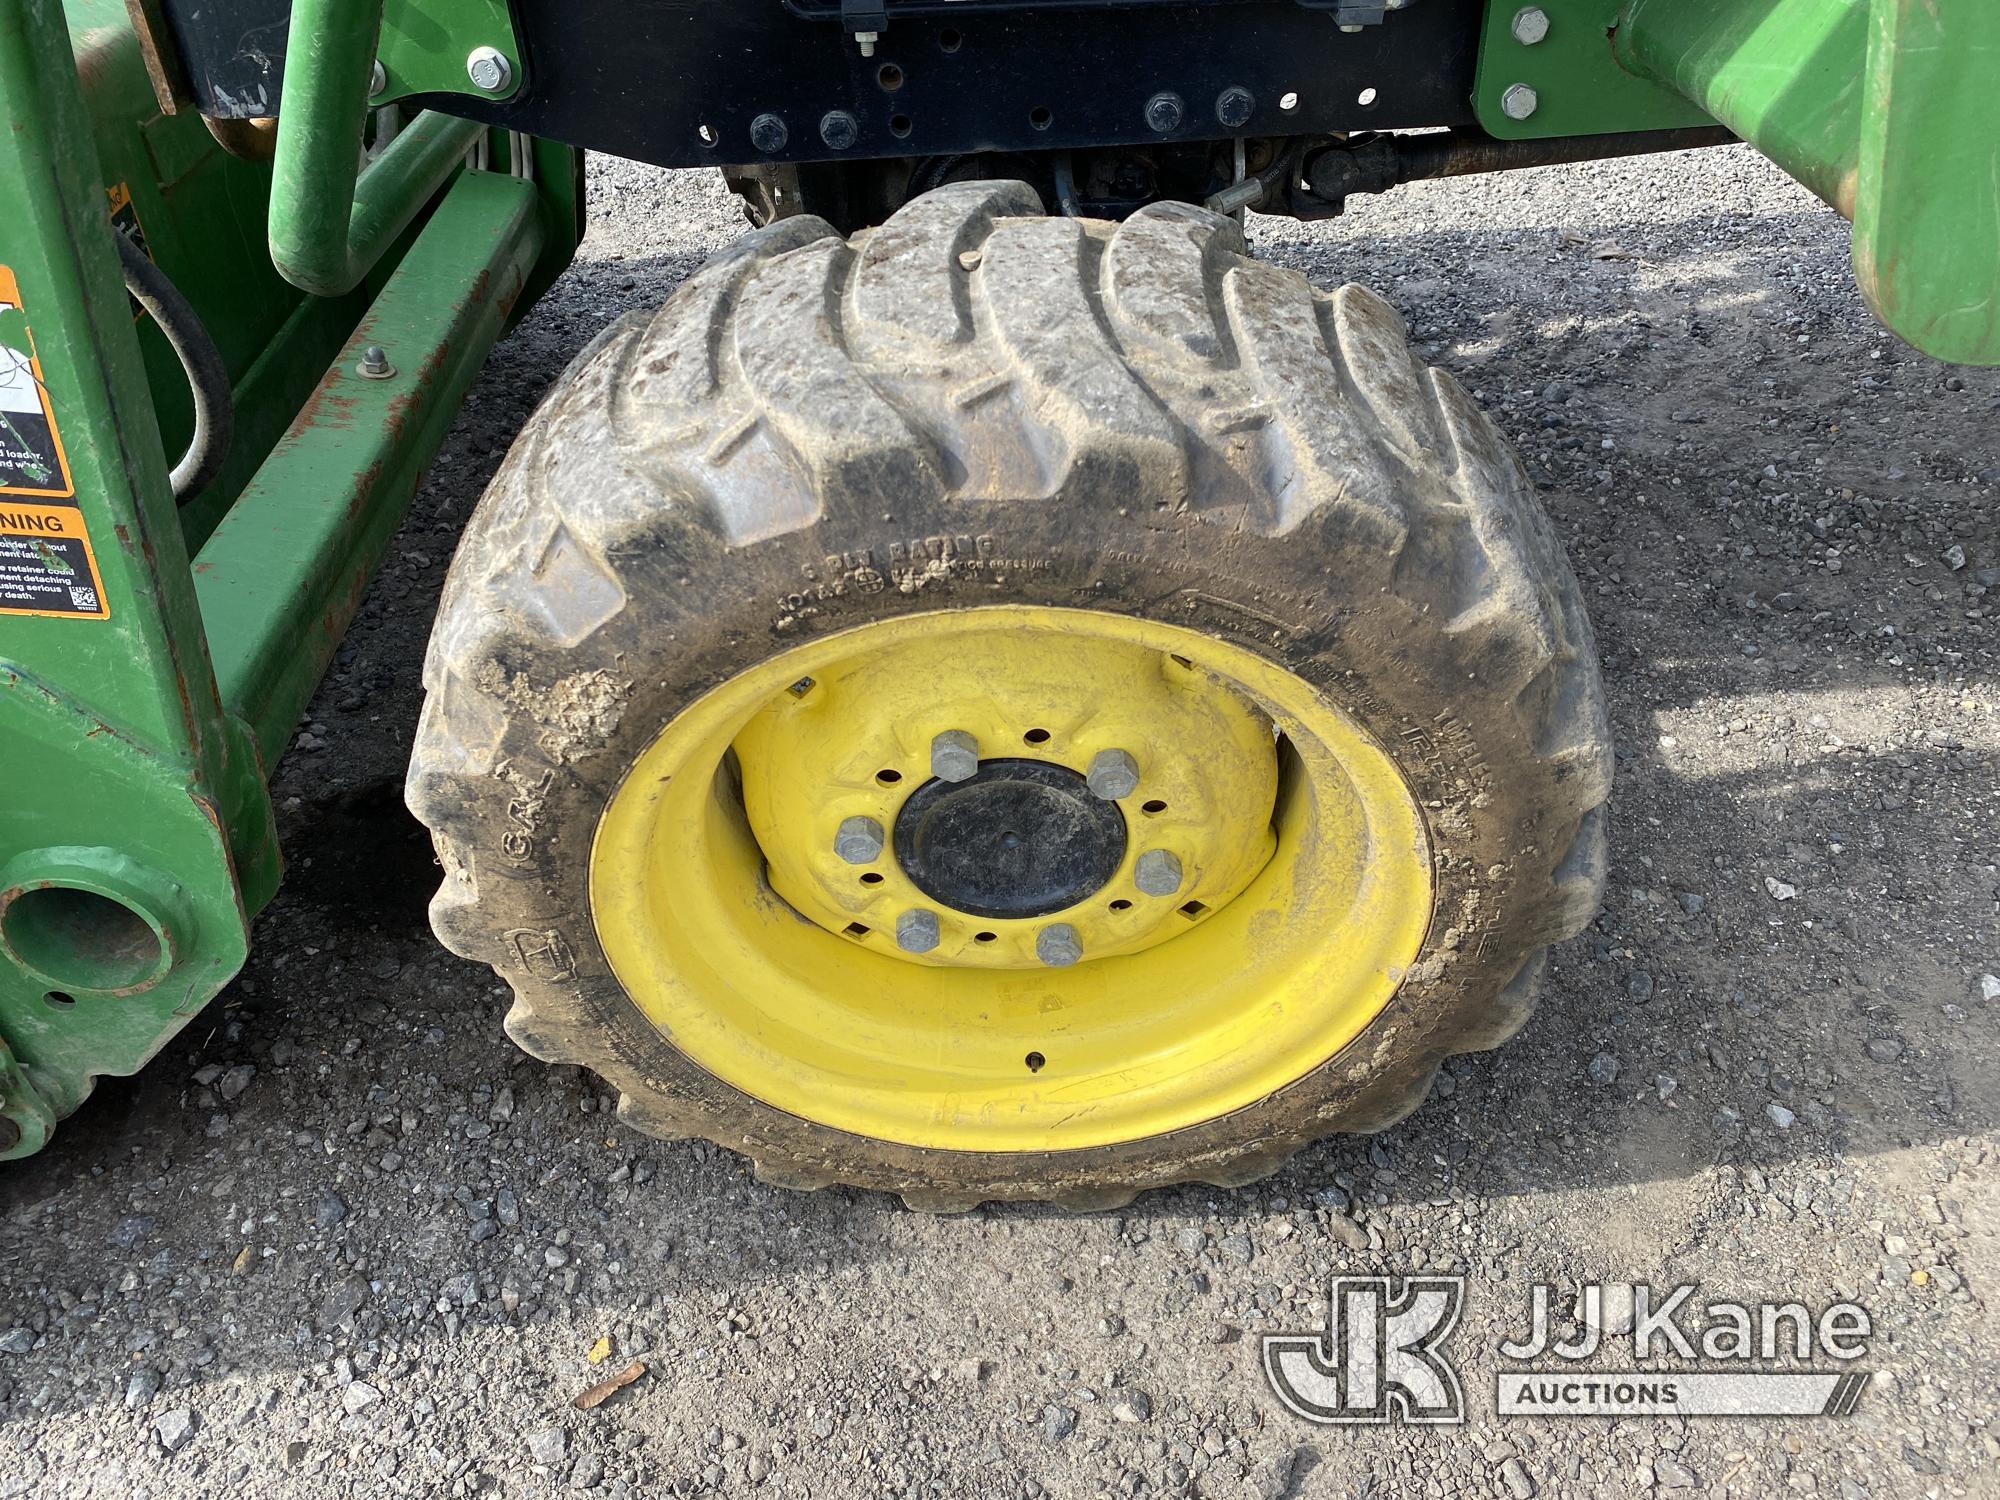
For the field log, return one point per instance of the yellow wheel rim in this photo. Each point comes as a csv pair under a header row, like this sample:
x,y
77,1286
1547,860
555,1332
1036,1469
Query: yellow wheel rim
x,y
775,951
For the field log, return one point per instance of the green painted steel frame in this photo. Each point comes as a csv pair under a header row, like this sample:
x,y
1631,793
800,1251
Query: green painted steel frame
x,y
1579,87
331,222
425,43
1884,108
135,808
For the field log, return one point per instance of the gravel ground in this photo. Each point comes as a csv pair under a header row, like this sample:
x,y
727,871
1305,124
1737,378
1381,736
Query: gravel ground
x,y
342,1239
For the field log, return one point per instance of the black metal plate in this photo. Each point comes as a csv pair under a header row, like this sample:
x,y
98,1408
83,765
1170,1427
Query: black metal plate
x,y
677,82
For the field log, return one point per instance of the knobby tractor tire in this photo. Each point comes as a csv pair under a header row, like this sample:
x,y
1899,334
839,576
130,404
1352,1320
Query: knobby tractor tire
x,y
976,404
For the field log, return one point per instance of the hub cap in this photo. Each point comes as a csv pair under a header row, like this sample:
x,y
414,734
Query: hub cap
x,y
1174,878
1019,838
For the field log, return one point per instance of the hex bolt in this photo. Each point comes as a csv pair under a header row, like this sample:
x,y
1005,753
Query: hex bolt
x,y
768,133
374,364
858,840
1519,102
489,70
1058,946
1531,24
839,129
378,78
1234,106
954,756
1158,872
1164,113
916,930
1113,774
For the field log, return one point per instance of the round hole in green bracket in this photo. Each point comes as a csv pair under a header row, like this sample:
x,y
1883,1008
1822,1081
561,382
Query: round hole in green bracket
x,y
82,940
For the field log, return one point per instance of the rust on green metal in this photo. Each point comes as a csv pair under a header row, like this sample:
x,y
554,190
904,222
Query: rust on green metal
x,y
136,831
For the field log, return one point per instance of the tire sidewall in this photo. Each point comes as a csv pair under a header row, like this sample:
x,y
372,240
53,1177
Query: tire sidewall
x,y
1497,831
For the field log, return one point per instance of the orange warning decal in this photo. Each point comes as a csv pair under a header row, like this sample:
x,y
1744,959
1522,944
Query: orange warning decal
x,y
46,563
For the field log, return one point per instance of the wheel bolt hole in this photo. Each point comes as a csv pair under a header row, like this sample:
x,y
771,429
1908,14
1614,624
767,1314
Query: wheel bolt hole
x,y
1153,808
1036,736
890,77
58,1000
803,686
1035,1061
856,930
871,878
984,937
888,777
1193,909
1121,905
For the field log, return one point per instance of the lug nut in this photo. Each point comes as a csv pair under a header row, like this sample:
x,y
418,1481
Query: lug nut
x,y
1519,102
1113,774
768,133
1158,872
858,840
1058,946
489,70
954,756
1531,24
917,930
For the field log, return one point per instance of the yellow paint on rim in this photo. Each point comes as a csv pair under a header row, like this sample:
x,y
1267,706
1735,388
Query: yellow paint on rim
x,y
1261,988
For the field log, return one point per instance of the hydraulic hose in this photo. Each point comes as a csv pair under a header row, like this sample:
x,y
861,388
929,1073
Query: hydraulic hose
x,y
207,376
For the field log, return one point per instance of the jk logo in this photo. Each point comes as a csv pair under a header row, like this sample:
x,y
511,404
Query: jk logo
x,y
1379,1359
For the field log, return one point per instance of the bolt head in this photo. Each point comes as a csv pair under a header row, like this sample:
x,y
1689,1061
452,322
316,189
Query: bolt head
x,y
489,70
768,133
1234,106
1531,24
954,756
1519,102
839,129
1113,774
858,840
378,78
1058,945
1164,113
916,930
1158,872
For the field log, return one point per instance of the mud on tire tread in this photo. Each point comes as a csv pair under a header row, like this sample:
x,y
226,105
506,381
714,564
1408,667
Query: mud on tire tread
x,y
1155,422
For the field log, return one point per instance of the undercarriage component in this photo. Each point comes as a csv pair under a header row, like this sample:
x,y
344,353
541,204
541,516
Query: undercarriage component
x,y
1376,163
1088,713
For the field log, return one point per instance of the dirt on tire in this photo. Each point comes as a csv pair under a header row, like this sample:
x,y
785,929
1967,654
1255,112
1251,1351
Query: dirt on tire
x,y
976,404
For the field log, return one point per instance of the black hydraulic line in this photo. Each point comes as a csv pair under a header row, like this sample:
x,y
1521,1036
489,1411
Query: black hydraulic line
x,y
1374,164
207,376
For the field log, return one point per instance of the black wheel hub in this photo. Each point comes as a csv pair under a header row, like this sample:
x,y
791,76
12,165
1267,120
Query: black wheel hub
x,y
1022,838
